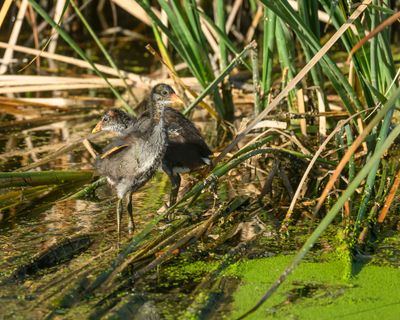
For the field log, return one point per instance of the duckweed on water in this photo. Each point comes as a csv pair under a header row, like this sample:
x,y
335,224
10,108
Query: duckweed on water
x,y
190,272
317,291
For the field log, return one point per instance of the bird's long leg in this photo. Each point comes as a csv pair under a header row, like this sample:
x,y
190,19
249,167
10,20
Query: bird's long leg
x,y
119,217
286,183
268,182
175,185
129,208
175,179
212,182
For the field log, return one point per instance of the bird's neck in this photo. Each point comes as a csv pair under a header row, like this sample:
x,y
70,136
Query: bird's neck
x,y
159,127
159,135
127,120
154,151
156,112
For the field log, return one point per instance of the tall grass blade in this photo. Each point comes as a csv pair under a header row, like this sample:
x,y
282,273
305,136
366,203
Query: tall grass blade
x,y
24,179
218,79
267,53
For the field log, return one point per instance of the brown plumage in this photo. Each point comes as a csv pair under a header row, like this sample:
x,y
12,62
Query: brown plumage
x,y
131,160
186,149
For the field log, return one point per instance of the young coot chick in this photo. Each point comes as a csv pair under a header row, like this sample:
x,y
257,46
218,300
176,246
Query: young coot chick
x,y
186,149
131,160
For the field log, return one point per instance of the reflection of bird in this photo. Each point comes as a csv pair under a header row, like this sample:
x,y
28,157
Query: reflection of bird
x,y
131,160
186,150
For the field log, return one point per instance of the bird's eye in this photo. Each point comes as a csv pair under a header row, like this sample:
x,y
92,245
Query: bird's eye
x,y
105,118
164,93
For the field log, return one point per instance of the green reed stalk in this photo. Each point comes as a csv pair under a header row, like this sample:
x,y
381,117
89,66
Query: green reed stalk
x,y
221,76
268,53
369,185
374,50
25,179
361,58
220,22
87,191
352,165
285,47
223,62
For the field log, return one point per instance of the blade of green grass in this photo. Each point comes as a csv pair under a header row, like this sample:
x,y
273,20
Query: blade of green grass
x,y
218,79
268,53
38,178
223,62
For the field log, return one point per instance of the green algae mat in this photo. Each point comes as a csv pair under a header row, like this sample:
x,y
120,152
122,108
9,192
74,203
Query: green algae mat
x,y
317,290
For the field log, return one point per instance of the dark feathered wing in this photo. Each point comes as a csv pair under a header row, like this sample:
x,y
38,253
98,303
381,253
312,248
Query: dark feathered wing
x,y
186,147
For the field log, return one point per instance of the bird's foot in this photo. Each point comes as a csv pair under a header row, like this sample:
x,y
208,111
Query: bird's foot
x,y
131,227
163,209
170,216
211,181
167,219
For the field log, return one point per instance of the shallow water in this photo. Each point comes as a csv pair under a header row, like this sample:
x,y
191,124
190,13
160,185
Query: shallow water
x,y
22,241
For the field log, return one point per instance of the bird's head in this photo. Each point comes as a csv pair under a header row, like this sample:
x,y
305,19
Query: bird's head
x,y
115,120
162,95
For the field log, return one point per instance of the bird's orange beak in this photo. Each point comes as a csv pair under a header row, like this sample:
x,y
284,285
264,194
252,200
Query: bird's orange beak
x,y
98,127
176,100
